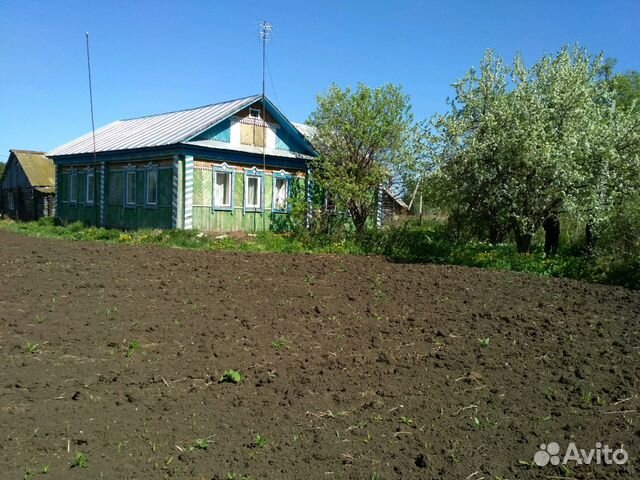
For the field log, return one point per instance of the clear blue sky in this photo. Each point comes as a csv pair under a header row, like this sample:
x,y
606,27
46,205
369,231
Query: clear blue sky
x,y
156,56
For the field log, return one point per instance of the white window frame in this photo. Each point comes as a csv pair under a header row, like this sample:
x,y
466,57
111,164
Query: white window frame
x,y
11,201
251,174
89,179
223,170
150,171
130,170
73,187
285,177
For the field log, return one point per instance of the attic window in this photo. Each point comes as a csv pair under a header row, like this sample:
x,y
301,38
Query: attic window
x,y
254,112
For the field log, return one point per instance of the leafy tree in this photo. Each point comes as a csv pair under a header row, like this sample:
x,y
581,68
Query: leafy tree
x,y
520,141
627,89
366,138
2,165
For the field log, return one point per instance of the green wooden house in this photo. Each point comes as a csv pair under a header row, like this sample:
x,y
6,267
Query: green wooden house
x,y
231,166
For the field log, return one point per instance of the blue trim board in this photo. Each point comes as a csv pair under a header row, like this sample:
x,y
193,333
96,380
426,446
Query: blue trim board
x,y
204,153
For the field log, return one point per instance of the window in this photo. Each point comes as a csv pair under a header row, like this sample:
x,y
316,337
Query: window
x,y
130,187
10,202
252,192
151,186
90,187
73,187
252,134
280,193
222,190
254,112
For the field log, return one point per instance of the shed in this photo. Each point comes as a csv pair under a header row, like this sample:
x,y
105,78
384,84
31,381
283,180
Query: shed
x,y
27,186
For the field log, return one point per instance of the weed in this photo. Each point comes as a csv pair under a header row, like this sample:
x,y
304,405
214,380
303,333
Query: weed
x,y
80,460
231,376
260,441
279,343
236,476
590,398
133,347
310,279
200,444
406,420
548,393
484,342
32,347
378,292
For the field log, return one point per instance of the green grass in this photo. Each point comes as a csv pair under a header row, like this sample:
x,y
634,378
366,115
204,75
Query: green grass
x,y
404,244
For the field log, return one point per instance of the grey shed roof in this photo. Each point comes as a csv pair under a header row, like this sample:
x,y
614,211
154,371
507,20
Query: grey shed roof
x,y
154,130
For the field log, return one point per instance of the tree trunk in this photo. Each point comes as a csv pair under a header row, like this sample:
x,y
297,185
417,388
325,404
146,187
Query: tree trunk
x,y
523,242
590,237
359,218
497,234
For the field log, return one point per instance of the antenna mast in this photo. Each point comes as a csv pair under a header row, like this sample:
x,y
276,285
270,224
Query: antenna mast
x,y
93,127
265,31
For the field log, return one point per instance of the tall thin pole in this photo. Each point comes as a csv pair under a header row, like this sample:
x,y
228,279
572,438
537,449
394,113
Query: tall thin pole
x,y
93,125
264,33
93,131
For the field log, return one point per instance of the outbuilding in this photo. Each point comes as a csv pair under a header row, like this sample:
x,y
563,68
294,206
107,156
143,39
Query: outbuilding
x,y
27,186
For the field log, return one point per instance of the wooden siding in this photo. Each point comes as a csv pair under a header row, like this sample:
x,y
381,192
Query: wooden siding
x,y
206,218
73,210
139,215
220,132
117,214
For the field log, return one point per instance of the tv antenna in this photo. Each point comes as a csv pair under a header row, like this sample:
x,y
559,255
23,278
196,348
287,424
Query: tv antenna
x,y
265,33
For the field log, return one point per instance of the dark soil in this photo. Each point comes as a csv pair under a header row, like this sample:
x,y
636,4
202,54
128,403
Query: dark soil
x,y
354,367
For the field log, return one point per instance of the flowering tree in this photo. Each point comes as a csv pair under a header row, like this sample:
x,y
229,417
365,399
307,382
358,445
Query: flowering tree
x,y
519,142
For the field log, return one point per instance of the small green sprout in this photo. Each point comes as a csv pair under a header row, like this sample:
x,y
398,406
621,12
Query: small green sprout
x,y
406,420
260,441
133,347
231,376
32,347
80,460
201,444
484,342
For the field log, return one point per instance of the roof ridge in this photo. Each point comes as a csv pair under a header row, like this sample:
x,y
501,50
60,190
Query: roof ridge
x,y
186,109
17,150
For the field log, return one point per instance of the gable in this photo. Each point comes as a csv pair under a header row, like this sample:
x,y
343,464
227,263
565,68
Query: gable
x,y
26,168
246,127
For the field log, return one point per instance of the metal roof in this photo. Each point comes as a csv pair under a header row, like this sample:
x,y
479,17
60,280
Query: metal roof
x,y
307,131
37,167
154,130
